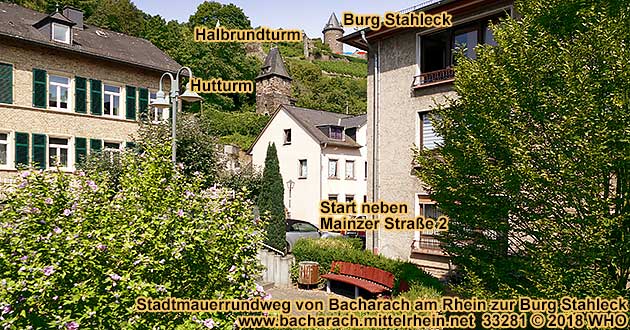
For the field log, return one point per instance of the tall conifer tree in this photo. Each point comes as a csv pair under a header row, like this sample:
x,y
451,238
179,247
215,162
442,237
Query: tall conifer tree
x,y
271,200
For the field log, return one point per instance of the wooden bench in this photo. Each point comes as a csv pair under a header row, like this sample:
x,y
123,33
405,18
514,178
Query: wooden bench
x,y
373,280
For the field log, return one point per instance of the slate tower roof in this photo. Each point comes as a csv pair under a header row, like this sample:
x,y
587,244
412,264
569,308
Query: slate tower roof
x,y
333,24
274,66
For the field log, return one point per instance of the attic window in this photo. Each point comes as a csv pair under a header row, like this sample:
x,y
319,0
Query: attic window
x,y
61,33
336,132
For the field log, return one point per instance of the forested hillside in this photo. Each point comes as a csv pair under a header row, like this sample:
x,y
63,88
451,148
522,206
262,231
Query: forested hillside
x,y
337,86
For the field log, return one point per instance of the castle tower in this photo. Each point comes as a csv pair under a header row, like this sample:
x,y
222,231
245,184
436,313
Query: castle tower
x,y
273,84
333,31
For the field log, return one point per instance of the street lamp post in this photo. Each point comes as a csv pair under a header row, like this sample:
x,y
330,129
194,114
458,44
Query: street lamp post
x,y
161,102
290,185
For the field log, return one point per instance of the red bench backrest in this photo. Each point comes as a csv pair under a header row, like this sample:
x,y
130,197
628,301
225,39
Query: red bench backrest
x,y
365,272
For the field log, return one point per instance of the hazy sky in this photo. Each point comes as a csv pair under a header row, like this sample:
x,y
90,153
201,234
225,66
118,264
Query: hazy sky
x,y
309,16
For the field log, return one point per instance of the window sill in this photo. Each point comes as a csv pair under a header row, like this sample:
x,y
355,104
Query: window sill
x,y
351,179
302,178
286,144
333,178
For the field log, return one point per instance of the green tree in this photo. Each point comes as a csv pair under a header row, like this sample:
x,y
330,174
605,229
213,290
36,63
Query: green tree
x,y
271,200
533,171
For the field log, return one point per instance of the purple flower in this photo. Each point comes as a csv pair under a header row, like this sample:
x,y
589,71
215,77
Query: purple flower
x,y
35,210
48,201
26,174
22,185
267,296
209,323
232,269
180,213
24,258
259,288
48,270
115,277
92,185
72,325
101,247
7,309
136,262
196,173
67,212
57,230
160,288
55,297
189,193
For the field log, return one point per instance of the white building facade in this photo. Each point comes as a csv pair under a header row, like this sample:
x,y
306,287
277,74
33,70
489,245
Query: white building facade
x,y
322,156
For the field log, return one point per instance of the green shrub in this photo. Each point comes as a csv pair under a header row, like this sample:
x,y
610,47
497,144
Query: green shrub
x,y
325,251
74,251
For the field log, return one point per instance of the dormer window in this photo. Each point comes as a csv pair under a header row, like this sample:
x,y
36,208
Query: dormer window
x,y
61,33
336,132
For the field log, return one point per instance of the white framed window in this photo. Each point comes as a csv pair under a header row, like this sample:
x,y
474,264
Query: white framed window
x,y
58,152
349,198
332,197
61,33
158,114
112,101
332,168
4,150
112,149
349,169
303,169
58,92
287,136
426,137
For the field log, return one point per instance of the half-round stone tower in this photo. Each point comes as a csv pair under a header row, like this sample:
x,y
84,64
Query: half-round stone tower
x,y
333,31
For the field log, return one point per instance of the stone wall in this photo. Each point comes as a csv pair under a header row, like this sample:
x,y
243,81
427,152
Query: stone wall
x,y
330,38
271,93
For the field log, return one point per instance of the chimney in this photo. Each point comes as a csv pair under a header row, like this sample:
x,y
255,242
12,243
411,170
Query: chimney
x,y
74,15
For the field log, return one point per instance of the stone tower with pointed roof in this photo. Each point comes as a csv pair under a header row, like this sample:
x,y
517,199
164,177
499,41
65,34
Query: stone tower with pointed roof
x,y
273,84
332,32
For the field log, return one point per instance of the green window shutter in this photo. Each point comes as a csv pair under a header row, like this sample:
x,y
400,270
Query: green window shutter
x,y
131,102
39,151
96,145
21,149
130,145
6,83
80,95
80,149
143,102
96,97
40,91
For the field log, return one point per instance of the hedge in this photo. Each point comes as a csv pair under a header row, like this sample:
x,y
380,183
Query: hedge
x,y
325,251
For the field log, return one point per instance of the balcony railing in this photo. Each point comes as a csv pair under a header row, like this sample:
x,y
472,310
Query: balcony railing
x,y
428,244
433,77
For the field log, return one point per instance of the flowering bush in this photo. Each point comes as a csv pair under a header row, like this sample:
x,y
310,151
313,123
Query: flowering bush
x,y
75,253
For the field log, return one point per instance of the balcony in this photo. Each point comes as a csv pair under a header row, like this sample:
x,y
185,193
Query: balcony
x,y
433,78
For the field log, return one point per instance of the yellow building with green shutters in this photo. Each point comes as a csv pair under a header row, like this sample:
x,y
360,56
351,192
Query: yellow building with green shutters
x,y
68,89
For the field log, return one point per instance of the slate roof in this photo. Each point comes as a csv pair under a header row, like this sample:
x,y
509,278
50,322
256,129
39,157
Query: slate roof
x,y
311,119
333,23
17,22
274,65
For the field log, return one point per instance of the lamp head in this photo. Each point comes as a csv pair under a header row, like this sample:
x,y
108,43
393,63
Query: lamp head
x,y
160,101
190,96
